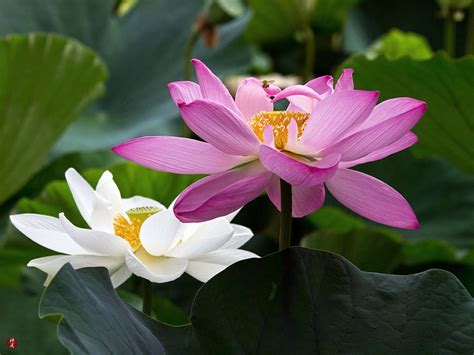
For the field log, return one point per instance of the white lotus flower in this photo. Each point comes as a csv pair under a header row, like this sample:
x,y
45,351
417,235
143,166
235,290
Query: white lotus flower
x,y
114,228
202,250
114,242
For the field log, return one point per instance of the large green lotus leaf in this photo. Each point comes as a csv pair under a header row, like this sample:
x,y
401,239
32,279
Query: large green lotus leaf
x,y
96,320
397,44
45,80
295,301
426,254
447,85
381,249
441,195
143,49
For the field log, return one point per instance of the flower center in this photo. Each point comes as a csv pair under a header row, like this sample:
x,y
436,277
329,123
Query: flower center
x,y
279,121
130,231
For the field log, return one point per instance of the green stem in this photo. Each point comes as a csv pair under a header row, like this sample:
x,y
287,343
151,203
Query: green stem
x,y
449,36
285,215
470,31
309,53
147,297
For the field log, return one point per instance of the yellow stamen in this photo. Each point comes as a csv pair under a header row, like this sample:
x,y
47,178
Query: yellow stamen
x,y
130,231
279,121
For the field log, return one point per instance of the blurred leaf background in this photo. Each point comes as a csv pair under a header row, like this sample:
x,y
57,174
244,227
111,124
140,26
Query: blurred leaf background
x,y
78,76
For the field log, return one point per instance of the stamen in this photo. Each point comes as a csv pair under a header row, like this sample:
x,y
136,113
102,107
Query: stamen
x,y
279,121
130,231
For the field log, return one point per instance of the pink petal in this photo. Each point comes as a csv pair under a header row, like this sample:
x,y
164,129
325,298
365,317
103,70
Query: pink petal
x,y
184,91
272,90
336,115
302,96
220,194
372,199
389,109
251,98
296,172
376,137
212,87
322,85
220,127
345,81
305,199
403,143
177,155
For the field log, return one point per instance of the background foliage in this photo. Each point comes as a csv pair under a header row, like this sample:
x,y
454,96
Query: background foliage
x,y
78,76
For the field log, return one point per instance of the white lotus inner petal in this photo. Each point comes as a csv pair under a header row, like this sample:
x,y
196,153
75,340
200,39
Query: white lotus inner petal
x,y
130,230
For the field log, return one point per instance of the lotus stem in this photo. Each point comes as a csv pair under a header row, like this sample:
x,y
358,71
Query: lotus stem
x,y
147,297
309,53
470,31
450,36
285,215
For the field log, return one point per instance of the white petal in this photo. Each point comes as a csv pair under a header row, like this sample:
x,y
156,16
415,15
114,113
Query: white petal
x,y
52,264
213,263
157,269
159,231
120,276
241,236
206,237
108,190
102,216
82,193
138,202
46,231
95,242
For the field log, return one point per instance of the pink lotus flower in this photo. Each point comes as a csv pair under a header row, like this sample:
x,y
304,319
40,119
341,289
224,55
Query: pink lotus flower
x,y
249,147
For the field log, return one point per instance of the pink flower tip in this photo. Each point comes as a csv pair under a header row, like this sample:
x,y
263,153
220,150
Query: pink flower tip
x,y
424,105
414,225
120,149
197,61
183,216
171,85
